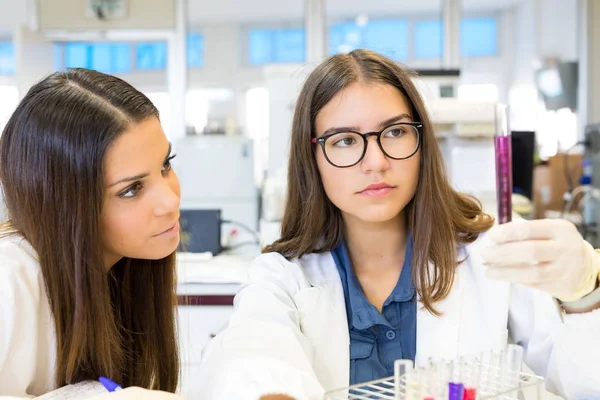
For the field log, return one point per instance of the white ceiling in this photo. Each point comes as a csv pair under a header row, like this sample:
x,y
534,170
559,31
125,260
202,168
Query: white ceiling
x,y
206,11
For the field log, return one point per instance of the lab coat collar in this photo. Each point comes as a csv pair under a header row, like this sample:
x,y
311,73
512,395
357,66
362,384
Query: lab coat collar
x,y
360,313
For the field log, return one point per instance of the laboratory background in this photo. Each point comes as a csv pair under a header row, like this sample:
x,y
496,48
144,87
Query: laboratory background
x,y
225,74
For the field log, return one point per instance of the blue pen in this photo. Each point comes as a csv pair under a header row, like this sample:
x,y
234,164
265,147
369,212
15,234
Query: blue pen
x,y
109,385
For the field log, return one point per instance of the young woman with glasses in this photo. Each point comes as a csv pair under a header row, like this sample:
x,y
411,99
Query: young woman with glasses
x,y
380,259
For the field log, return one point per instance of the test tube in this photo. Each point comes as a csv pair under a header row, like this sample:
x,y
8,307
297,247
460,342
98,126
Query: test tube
x,y
444,377
470,394
514,357
471,378
414,385
401,368
484,370
513,362
503,152
456,387
495,372
429,383
456,391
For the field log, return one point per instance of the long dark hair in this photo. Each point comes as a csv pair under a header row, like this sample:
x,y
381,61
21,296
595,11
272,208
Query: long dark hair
x,y
119,324
438,217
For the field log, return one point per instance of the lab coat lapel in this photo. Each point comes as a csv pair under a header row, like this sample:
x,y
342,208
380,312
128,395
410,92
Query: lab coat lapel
x,y
323,314
438,336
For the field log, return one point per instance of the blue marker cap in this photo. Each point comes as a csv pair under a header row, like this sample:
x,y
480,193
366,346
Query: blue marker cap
x,y
109,385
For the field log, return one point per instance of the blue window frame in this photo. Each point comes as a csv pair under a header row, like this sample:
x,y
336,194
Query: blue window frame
x,y
478,37
110,58
195,50
7,58
388,37
428,39
114,58
151,56
276,46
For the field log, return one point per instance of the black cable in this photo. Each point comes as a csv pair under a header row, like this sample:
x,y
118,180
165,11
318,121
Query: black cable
x,y
566,165
244,227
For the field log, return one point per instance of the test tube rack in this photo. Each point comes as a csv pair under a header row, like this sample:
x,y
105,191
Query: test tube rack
x,y
489,377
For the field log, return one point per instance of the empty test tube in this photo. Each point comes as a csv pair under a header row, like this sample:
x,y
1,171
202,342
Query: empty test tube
x,y
513,362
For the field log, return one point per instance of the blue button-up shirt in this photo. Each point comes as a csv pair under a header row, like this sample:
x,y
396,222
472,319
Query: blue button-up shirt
x,y
378,339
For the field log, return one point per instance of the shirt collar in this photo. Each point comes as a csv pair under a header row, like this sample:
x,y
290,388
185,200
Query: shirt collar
x,y
362,314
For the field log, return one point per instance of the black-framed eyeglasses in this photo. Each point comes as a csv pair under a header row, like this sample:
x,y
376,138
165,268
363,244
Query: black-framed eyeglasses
x,y
398,141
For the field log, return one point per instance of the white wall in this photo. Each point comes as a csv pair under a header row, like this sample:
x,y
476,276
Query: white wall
x,y
14,13
542,29
557,34
34,58
590,93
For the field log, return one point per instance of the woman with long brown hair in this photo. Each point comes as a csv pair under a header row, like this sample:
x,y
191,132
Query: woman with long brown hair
x,y
380,259
87,256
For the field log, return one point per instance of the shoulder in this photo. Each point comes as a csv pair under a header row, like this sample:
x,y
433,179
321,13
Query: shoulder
x,y
18,262
296,274
26,322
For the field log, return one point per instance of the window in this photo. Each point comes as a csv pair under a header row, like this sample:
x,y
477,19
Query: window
x,y
391,37
110,58
428,39
115,58
388,37
7,58
195,50
478,38
276,46
151,56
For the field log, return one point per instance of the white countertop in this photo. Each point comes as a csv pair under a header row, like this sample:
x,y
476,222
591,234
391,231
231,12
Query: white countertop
x,y
204,274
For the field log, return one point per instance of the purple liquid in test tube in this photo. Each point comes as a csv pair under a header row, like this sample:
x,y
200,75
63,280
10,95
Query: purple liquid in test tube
x,y
503,152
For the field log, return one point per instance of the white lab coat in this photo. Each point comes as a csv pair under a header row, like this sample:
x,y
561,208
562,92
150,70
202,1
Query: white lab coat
x,y
289,331
27,335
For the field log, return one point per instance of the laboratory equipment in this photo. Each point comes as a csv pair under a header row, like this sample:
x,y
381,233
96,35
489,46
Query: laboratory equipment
x,y
503,157
557,82
493,375
200,231
591,212
216,172
465,132
523,159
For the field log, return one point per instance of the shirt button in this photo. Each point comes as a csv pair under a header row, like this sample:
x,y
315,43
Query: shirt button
x,y
391,335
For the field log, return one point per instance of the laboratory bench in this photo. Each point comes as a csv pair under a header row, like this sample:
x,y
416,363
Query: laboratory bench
x,y
206,286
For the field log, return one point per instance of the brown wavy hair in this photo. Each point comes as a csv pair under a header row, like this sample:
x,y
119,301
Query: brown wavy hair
x,y
119,324
438,217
